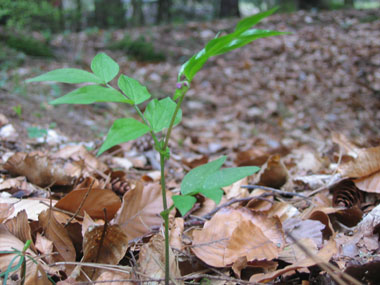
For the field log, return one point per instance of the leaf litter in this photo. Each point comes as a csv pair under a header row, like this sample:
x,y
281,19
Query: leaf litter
x,y
303,107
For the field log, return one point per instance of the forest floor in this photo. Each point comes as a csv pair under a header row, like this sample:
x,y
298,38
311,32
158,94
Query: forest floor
x,y
297,105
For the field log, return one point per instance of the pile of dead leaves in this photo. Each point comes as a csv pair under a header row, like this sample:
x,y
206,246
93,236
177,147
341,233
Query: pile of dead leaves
x,y
89,222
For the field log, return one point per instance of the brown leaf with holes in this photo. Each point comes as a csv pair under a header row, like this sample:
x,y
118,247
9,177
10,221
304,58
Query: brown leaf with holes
x,y
95,200
39,170
102,244
141,209
56,232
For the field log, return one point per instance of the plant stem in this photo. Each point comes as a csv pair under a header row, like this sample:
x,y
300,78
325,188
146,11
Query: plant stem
x,y
165,215
178,107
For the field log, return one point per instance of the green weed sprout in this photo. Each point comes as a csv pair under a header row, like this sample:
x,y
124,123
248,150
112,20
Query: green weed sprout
x,y
161,115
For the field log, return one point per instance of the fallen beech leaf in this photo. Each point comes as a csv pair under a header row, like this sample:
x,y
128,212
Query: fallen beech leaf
x,y
211,244
20,184
248,240
176,234
293,253
273,173
367,273
45,246
301,229
258,205
39,170
283,211
95,202
9,242
5,211
152,260
141,210
105,247
80,153
20,228
324,255
55,232
32,206
115,277
88,222
366,161
370,183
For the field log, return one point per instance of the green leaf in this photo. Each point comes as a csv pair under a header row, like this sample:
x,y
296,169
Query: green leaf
x,y
227,176
214,194
226,43
184,203
133,89
123,130
193,182
34,132
67,75
91,94
248,22
104,67
159,113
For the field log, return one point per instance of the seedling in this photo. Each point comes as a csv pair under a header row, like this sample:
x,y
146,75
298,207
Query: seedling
x,y
160,116
18,110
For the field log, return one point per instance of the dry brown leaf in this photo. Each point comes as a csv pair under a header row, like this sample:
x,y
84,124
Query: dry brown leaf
x,y
301,229
152,260
141,210
34,274
273,173
370,183
45,246
105,245
32,206
176,234
55,232
283,211
293,253
39,170
258,205
87,222
114,277
95,201
79,153
19,227
365,162
5,211
324,255
212,242
235,190
248,240
20,184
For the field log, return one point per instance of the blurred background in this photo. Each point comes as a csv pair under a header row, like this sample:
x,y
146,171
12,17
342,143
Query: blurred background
x,y
51,16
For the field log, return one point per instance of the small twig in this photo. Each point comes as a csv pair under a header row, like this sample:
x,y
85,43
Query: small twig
x,y
60,210
80,205
274,190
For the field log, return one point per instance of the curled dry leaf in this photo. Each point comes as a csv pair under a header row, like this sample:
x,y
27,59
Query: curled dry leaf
x,y
152,260
301,229
283,211
141,210
39,170
217,243
8,242
13,185
6,209
347,195
56,232
273,173
365,162
20,228
104,245
176,232
95,200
